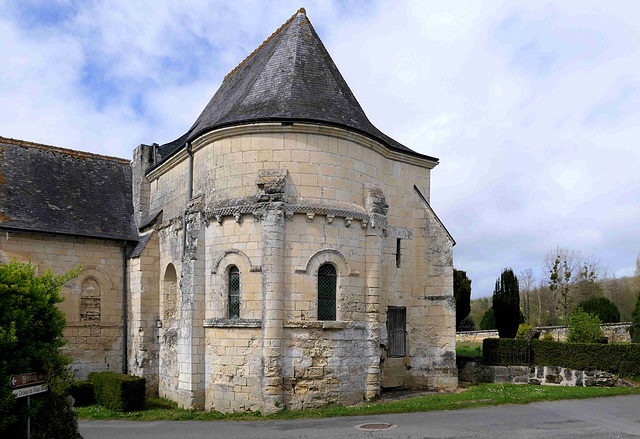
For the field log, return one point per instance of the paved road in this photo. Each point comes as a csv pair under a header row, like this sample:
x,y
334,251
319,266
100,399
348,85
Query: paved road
x,y
617,417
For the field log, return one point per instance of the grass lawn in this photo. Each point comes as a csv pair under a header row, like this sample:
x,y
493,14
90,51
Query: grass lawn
x,y
469,348
475,396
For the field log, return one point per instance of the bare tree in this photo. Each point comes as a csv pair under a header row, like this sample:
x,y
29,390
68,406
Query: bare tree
x,y
587,285
562,265
527,285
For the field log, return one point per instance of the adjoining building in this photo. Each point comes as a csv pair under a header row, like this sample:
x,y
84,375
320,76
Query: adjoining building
x,y
284,252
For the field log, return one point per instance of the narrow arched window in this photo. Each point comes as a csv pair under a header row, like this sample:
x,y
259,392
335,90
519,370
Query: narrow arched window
x,y
234,292
327,280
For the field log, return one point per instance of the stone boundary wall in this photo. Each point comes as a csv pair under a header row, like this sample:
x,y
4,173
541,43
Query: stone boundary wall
x,y
615,332
474,371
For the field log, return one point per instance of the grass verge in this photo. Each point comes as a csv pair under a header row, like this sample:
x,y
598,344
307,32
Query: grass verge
x,y
469,348
482,395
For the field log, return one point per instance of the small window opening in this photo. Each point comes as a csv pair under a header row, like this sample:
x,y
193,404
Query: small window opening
x,y
327,280
397,331
234,293
398,245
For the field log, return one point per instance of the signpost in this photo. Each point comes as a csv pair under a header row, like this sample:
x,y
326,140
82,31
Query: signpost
x,y
28,384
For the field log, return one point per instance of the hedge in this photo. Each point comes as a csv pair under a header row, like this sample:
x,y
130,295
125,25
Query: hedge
x,y
621,359
82,393
119,392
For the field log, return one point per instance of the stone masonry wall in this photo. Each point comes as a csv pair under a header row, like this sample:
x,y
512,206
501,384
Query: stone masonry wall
x,y
615,332
93,300
331,209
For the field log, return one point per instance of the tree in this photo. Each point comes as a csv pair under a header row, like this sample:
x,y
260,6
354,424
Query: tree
x,y
30,336
561,264
584,328
527,283
601,307
635,320
506,304
488,321
462,295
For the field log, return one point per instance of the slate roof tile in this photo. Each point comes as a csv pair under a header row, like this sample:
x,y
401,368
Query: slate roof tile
x,y
48,189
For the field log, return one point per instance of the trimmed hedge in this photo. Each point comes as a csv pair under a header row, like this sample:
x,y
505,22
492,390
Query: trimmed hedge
x,y
119,392
621,359
82,393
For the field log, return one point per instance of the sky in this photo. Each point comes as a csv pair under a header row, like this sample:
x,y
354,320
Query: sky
x,y
533,108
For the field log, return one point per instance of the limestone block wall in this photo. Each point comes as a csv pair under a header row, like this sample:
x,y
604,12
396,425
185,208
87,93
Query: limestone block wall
x,y
311,242
144,313
234,243
233,368
323,215
615,333
322,364
93,300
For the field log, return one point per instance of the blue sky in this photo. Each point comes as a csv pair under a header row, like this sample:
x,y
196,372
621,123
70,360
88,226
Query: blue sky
x,y
532,107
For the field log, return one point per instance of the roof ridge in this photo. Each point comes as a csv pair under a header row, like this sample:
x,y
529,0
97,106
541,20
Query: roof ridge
x,y
300,11
66,151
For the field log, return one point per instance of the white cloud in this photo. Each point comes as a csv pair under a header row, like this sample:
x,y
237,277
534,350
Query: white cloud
x,y
534,119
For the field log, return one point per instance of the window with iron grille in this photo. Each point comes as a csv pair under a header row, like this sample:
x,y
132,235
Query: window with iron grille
x,y
327,280
397,331
234,292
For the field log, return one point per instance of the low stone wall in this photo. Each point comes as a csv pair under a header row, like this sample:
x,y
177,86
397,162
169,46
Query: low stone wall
x,y
615,332
470,369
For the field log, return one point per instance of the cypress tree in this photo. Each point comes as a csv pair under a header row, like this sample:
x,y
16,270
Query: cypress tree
x,y
462,295
506,304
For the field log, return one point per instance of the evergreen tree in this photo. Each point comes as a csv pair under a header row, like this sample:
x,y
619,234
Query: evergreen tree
x,y
635,320
488,320
506,304
462,295
601,307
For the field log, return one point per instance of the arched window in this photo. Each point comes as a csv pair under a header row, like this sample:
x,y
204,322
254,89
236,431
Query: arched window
x,y
90,301
170,293
234,292
327,280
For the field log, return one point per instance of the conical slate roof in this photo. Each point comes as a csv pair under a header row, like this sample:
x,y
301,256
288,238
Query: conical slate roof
x,y
290,77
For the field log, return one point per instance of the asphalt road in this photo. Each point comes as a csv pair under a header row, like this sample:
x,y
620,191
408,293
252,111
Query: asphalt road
x,y
615,417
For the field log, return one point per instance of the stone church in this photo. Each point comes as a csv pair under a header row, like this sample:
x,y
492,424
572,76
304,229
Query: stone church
x,y
281,253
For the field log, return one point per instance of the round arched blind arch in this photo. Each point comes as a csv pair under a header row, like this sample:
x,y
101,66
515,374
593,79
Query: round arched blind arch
x,y
327,282
234,292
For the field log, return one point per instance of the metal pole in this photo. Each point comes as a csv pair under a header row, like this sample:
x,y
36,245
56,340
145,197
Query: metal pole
x,y
29,417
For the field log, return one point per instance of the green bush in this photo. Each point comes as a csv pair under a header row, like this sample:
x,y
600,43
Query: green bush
x,y
119,392
523,330
603,308
618,358
584,328
467,324
82,393
31,335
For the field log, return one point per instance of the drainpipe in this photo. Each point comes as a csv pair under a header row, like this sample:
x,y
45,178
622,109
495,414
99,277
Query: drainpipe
x,y
189,196
125,315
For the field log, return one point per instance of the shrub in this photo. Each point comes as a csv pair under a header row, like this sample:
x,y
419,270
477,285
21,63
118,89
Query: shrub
x,y
506,304
468,324
547,336
488,321
31,335
635,320
603,308
623,359
584,328
82,393
119,392
523,330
